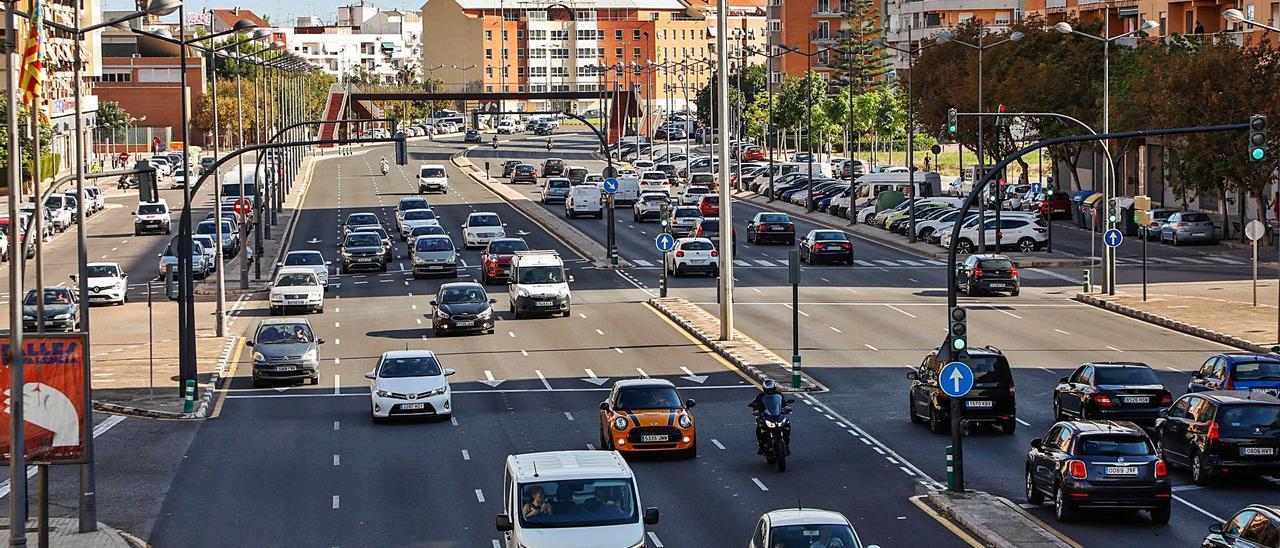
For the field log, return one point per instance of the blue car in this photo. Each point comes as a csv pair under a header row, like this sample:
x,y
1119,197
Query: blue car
x,y
1257,373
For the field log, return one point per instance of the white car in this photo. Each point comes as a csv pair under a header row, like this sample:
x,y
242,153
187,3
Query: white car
x,y
210,249
584,200
107,283
642,164
179,179
152,217
693,255
1024,233
506,127
691,194
805,527
684,220
649,206
309,259
595,179
414,218
481,228
411,202
97,201
409,383
654,181
627,172
432,177
162,166
296,286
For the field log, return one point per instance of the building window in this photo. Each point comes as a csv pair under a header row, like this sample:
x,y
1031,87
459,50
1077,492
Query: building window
x,y
662,34
684,34
599,34
538,72
504,34
635,52
560,35
560,53
824,30
159,75
520,72
488,35
537,15
538,53
1002,18
560,71
488,53
617,34
1164,23
520,34
654,16
125,76
635,34
504,54
587,52
537,88
586,87
510,15
617,52
560,87
586,34
537,35
488,71
520,53
586,15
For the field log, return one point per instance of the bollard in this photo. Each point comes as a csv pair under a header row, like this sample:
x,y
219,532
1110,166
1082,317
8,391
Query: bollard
x,y
189,403
1087,284
795,371
950,470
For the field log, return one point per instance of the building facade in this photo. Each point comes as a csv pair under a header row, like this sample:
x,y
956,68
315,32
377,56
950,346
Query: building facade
x,y
909,21
365,44
144,76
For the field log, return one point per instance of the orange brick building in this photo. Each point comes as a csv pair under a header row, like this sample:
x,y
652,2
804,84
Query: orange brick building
x,y
143,75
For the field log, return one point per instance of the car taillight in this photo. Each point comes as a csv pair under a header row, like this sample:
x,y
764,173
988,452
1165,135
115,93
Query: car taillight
x,y
977,272
1226,383
1166,399
679,253
1162,469
1102,400
1077,469
817,246
1012,389
790,227
1213,432
846,246
715,253
1014,272
764,228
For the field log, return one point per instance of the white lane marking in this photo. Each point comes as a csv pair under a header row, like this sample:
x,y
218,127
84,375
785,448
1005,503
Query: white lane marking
x,y
496,544
542,378
581,315
419,321
642,262
740,262
1005,312
1063,277
568,415
337,325
642,373
337,386
1198,509
906,471
337,341
453,420
512,333
336,460
764,263
864,437
878,450
336,425
1022,422
834,329
717,443
904,312
466,455
759,484
657,543
757,290
479,495
524,353
1114,348
618,349
871,347
413,306
335,502
1046,370
1061,331
599,332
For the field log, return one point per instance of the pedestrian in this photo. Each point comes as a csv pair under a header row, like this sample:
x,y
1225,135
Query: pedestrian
x,y
1199,28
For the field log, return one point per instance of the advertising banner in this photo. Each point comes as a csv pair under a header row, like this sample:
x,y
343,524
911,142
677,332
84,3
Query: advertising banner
x,y
54,400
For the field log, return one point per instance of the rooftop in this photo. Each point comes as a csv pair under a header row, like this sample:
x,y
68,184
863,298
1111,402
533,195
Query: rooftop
x,y
559,465
595,5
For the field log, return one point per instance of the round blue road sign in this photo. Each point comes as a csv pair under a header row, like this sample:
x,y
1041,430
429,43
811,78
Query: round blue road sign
x,y
611,185
955,379
1112,237
664,242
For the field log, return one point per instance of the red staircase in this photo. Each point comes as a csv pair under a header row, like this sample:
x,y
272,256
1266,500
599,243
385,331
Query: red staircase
x,y
332,111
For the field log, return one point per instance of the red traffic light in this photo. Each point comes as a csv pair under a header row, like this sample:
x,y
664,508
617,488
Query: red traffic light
x,y
1003,182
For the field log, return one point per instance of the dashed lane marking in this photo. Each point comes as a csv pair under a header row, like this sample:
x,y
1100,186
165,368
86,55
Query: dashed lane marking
x,y
759,484
717,443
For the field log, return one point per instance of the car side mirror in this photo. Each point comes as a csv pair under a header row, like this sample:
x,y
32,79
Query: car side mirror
x,y
328,263
1035,443
493,301
249,344
370,375
281,263
689,403
73,277
134,213
319,341
913,376
1215,529
449,372
433,303
1062,380
1163,412
503,523
651,516
570,279
604,406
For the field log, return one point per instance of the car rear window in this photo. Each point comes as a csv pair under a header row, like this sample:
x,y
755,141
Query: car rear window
x,y
365,219
555,163
829,235
1126,375
419,215
775,218
1255,371
996,264
561,183
697,246
989,368
688,212
1113,445
1195,218
1249,417
507,247
417,203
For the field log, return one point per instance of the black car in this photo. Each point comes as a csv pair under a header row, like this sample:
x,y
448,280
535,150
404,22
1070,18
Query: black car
x,y
771,225
1097,464
991,401
990,273
553,167
363,250
471,136
826,246
1111,390
61,310
388,247
1257,525
543,128
357,220
1222,433
508,167
524,173
462,306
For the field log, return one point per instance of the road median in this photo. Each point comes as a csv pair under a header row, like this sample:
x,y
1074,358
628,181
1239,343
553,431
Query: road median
x,y
996,521
1224,321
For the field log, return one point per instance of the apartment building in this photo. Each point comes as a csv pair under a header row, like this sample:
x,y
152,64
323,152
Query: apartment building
x,y
809,25
1174,17
364,43
909,21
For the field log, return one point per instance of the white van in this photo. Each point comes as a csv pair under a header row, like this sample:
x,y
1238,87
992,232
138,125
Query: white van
x,y
585,200
246,174
538,284
867,187
820,169
628,192
572,499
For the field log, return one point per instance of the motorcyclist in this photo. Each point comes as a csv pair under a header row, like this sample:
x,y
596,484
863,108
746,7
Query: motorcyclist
x,y
495,141
769,388
385,167
548,143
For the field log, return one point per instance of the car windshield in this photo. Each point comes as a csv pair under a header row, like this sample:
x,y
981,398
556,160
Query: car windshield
x,y
1126,375
829,235
1266,417
432,172
577,503
507,247
206,227
433,244
102,271
55,295
1195,218
296,279
524,168
394,368
407,205
419,215
1113,445
558,183
656,198
541,275
152,209
484,220
774,218
811,536
362,219
304,259
1255,371
657,397
361,239
462,295
554,163
654,176
996,264
285,333
427,230
688,212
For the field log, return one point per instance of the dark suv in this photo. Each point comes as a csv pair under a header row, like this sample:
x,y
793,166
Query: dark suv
x,y
1111,390
363,250
990,273
1097,464
553,167
1255,525
991,400
1221,433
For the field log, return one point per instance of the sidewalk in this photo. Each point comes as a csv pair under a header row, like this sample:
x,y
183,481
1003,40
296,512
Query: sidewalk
x,y
1220,311
64,533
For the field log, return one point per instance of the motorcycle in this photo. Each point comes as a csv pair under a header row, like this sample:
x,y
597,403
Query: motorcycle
x,y
773,429
495,143
385,168
548,144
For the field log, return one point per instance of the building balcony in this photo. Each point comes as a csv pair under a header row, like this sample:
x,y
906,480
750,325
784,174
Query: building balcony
x,y
829,10
899,36
907,8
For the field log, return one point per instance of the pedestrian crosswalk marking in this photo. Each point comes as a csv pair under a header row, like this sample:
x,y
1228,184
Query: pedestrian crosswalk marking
x,y
909,263
861,262
642,262
740,262
932,262
764,263
885,263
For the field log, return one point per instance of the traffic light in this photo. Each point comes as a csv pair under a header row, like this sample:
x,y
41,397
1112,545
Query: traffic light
x,y
402,150
665,217
952,121
146,182
1113,211
958,331
1257,137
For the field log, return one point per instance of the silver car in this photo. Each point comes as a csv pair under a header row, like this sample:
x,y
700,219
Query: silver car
x,y
684,219
1188,226
434,255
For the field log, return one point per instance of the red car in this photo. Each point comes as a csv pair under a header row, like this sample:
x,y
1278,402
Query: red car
x,y
709,205
754,153
1053,204
495,262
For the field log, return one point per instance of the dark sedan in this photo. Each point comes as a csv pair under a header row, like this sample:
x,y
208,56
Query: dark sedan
x,y
1097,464
460,307
363,250
826,246
524,173
285,349
471,136
508,167
1111,390
774,226
61,310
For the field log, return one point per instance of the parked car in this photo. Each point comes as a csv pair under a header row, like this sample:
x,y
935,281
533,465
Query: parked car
x,y
1188,226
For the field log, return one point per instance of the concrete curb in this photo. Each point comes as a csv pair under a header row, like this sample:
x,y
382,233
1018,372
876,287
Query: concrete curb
x,y
117,409
202,405
996,521
1179,326
220,369
566,233
777,369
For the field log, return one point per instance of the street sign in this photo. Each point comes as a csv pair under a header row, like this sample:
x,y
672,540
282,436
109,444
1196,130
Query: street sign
x,y
956,379
242,206
1254,230
124,156
1037,187
611,185
1112,237
664,242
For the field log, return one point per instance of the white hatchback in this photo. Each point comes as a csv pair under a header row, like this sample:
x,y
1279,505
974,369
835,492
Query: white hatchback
x,y
693,255
107,283
691,195
481,228
409,383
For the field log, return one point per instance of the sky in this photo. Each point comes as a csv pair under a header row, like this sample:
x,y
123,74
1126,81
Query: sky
x,y
279,12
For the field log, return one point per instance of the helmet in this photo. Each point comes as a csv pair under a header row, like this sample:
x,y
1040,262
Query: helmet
x,y
770,385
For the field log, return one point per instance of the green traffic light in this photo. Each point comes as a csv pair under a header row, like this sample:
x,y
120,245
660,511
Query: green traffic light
x,y
1257,153
952,129
958,343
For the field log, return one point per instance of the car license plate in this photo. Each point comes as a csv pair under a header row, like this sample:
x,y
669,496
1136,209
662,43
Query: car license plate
x,y
996,284
979,403
436,267
364,260
286,368
1257,451
1135,399
413,406
1121,470
464,323
1271,391
544,303
654,438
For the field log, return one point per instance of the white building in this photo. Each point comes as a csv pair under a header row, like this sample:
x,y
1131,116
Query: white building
x,y
364,43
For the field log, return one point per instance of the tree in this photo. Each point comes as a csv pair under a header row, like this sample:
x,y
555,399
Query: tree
x,y
742,91
859,63
24,145
111,117
756,117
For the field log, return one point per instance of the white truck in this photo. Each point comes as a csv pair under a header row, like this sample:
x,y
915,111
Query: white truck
x,y
538,284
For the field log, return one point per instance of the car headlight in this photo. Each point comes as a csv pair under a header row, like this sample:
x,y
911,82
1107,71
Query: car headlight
x,y
522,292
437,391
685,422
453,258
381,393
485,315
419,260
442,314
309,356
29,316
346,254
620,423
62,317
258,357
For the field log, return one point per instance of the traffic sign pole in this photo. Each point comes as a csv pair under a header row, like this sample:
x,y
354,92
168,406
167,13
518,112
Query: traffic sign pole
x,y
613,249
956,380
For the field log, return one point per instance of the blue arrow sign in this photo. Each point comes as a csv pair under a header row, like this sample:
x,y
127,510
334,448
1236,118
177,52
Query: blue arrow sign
x,y
664,242
1037,187
955,379
1112,237
611,185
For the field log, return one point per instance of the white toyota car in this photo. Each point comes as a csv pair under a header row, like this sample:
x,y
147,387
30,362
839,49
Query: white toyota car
x,y
409,383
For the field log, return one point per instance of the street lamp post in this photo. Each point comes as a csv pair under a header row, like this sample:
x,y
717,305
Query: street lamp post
x,y
1108,180
911,129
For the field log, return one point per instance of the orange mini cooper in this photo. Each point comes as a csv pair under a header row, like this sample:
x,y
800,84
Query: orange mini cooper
x,y
644,415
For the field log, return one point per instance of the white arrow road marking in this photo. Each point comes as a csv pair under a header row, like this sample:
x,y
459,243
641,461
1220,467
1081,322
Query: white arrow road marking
x,y
594,379
955,377
689,376
314,241
489,380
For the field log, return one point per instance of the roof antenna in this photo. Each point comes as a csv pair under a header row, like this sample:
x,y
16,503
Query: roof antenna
x,y
535,467
798,505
